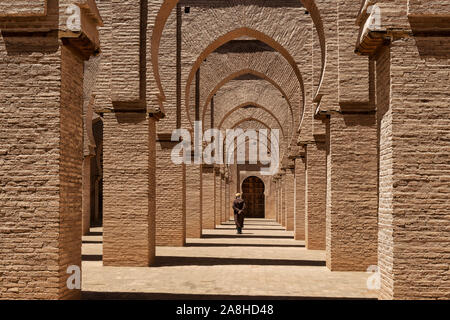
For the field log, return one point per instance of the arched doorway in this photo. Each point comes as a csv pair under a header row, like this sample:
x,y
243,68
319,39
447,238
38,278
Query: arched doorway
x,y
253,195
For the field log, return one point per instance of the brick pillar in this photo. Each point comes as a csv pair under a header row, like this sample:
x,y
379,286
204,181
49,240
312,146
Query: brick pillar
x,y
283,200
217,196
231,199
315,196
224,209
208,186
414,161
299,225
193,201
352,199
290,173
170,195
128,177
227,200
86,190
278,200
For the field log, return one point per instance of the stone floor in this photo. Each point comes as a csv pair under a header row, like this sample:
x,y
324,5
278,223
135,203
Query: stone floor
x,y
265,262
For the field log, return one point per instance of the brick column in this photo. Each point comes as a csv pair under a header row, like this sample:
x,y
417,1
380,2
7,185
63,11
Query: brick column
x,y
208,186
414,160
86,194
170,195
217,196
128,216
223,192
352,199
227,200
283,199
315,196
41,160
299,224
41,149
193,201
278,200
289,201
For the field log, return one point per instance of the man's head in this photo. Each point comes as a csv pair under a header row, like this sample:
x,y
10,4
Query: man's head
x,y
238,195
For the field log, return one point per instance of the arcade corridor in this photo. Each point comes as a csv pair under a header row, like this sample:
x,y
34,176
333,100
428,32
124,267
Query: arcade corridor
x,y
263,262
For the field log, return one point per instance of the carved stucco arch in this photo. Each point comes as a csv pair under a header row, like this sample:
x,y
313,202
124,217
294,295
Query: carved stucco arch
x,y
167,7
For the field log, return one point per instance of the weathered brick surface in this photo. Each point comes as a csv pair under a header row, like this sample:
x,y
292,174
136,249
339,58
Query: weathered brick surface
x,y
283,200
315,196
193,201
217,196
170,197
290,206
351,213
300,184
41,155
208,201
128,218
414,169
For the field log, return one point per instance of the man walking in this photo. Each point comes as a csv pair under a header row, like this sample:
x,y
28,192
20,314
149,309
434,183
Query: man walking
x,y
238,208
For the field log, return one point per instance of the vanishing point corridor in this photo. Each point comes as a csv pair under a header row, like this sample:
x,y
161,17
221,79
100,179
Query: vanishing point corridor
x,y
262,263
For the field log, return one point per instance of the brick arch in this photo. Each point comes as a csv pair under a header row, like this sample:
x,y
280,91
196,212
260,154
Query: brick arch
x,y
260,93
231,36
281,144
256,105
268,65
167,7
253,72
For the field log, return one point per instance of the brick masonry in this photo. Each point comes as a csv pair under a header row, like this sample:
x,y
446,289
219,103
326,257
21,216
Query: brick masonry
x,y
128,223
315,196
290,188
208,201
193,201
351,215
299,214
170,197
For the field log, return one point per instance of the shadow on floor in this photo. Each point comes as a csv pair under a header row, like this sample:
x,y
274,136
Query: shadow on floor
x,y
94,295
91,241
245,235
259,229
91,257
168,261
256,245
95,233
244,245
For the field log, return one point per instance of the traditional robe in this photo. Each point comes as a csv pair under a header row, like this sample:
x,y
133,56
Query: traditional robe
x,y
238,208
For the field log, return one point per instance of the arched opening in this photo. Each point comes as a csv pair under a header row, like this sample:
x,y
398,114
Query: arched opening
x,y
253,195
